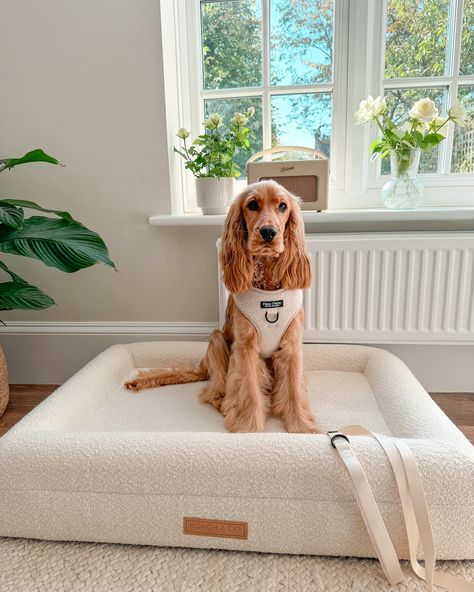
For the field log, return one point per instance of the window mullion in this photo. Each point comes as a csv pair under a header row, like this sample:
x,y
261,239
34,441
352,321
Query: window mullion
x,y
457,18
453,61
231,93
448,143
426,81
365,76
266,106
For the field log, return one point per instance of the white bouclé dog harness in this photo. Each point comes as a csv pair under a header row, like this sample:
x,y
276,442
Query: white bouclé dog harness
x,y
270,312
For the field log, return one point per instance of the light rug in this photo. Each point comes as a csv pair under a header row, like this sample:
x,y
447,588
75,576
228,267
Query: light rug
x,y
44,566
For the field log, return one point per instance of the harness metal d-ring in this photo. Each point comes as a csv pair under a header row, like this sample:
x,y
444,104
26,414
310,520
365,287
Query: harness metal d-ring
x,y
269,321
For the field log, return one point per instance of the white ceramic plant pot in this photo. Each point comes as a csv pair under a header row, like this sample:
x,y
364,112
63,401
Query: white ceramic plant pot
x,y
214,194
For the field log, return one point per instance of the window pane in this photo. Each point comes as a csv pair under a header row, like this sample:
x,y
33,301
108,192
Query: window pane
x,y
302,120
227,108
399,103
416,38
301,41
467,45
463,148
231,44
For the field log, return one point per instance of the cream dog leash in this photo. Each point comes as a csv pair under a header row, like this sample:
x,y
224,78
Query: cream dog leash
x,y
413,502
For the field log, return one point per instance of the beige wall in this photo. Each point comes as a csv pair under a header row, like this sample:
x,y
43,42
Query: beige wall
x,y
84,81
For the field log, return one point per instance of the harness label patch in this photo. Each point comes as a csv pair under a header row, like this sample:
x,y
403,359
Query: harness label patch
x,y
215,528
271,303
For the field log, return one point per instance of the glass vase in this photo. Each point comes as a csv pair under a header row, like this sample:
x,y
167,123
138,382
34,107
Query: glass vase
x,y
404,190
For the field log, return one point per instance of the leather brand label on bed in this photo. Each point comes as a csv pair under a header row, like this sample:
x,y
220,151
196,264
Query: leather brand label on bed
x,y
271,303
215,528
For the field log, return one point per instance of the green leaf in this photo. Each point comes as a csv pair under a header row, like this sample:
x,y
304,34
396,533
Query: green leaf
x,y
68,246
37,155
31,205
23,296
14,277
392,135
431,140
417,136
374,144
11,215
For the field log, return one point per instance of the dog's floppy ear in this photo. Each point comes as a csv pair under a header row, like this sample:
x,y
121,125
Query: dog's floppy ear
x,y
236,264
293,268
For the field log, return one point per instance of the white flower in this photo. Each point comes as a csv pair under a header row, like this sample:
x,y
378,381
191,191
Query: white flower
x,y
458,114
380,106
183,133
213,121
239,118
370,108
250,111
424,110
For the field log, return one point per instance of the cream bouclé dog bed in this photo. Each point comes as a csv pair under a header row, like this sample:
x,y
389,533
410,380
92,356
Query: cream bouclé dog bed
x,y
95,462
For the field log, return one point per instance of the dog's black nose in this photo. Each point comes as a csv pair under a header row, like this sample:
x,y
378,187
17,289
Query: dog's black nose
x,y
268,233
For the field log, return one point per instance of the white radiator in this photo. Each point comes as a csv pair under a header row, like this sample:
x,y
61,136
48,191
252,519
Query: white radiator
x,y
389,288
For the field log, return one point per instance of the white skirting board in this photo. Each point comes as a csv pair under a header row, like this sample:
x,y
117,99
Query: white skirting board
x,y
40,356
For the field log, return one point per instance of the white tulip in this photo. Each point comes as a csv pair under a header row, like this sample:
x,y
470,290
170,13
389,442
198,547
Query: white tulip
x,y
458,114
250,111
424,110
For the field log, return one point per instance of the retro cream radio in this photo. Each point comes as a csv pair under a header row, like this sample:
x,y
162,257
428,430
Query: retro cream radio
x,y
307,179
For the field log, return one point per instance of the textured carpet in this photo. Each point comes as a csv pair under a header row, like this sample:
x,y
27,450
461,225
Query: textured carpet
x,y
43,566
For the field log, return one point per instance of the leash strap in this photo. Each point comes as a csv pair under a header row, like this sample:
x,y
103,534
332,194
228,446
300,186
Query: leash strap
x,y
414,508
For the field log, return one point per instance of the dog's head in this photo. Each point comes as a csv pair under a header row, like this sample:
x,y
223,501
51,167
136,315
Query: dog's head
x,y
264,221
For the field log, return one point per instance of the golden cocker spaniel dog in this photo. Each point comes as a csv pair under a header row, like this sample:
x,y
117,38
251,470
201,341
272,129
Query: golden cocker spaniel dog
x,y
254,365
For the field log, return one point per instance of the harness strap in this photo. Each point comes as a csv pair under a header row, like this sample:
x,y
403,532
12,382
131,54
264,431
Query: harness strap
x,y
414,508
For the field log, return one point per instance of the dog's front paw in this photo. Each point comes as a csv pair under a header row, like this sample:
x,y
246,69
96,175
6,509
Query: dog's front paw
x,y
250,419
300,423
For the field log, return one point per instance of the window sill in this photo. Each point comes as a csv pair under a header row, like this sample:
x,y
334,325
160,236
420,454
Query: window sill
x,y
368,220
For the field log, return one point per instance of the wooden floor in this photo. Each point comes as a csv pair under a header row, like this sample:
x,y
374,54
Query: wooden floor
x,y
23,397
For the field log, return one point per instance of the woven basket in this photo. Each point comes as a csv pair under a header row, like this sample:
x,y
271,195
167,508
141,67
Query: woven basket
x,y
4,392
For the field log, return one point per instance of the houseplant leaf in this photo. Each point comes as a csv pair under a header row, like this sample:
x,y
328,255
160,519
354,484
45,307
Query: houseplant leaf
x,y
31,205
11,215
18,294
23,296
15,278
37,155
68,246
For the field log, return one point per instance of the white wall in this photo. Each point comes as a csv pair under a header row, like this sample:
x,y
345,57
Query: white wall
x,y
84,81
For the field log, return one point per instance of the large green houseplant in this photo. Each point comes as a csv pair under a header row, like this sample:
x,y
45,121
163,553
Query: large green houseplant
x,y
60,241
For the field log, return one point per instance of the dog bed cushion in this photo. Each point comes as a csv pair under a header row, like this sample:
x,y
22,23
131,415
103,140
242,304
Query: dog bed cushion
x,y
96,462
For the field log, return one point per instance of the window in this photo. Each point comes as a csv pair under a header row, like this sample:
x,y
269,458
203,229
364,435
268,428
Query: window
x,y
274,55
304,65
429,52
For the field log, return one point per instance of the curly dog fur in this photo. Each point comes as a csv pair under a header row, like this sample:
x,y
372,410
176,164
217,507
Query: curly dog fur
x,y
245,388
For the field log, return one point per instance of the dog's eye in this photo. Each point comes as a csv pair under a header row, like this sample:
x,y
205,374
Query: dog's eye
x,y
253,205
282,207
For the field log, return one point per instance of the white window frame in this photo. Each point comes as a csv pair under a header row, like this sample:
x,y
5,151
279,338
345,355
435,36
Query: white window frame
x,y
443,177
359,44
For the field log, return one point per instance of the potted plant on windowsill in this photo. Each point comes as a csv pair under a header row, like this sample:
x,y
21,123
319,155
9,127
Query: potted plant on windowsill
x,y
423,130
61,242
211,159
